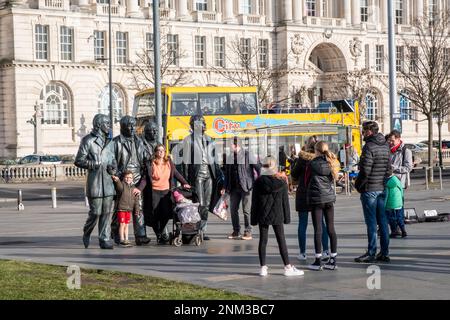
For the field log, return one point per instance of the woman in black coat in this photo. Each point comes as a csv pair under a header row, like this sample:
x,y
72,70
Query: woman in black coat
x,y
321,197
301,173
270,207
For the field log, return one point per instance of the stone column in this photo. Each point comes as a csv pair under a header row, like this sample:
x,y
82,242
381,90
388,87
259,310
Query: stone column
x,y
287,13
269,12
228,14
182,9
132,7
383,14
356,13
419,9
297,7
347,11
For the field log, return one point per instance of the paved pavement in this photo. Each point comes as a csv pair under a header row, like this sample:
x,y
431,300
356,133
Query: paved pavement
x,y
420,267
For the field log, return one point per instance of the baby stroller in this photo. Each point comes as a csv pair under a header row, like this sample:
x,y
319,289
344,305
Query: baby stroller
x,y
187,219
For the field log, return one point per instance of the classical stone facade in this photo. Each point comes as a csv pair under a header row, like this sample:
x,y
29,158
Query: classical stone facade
x,y
54,53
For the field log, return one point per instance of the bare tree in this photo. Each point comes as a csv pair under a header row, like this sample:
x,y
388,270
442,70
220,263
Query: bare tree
x,y
442,113
426,71
142,72
246,63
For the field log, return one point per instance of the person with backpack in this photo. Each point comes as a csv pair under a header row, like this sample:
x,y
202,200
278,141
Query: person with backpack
x,y
321,196
402,164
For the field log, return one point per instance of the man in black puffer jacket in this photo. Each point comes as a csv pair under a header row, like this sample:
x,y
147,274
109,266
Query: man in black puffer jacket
x,y
374,168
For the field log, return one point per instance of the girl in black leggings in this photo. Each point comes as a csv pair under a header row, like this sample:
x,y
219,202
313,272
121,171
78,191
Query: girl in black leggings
x,y
321,195
270,207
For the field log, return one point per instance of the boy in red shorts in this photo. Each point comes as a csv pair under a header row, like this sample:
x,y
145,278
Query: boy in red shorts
x,y
126,203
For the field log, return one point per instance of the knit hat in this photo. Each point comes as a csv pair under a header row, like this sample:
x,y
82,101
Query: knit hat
x,y
178,196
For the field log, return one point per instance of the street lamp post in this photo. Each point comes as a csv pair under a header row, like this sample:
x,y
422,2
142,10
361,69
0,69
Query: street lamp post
x,y
111,113
392,71
156,43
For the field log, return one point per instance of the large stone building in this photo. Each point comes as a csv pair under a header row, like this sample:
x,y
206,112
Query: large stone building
x,y
54,53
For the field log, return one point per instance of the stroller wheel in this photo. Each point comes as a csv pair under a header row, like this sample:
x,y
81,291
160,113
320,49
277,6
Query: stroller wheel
x,y
198,240
178,241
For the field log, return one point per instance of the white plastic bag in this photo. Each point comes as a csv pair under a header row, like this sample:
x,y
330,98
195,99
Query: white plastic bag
x,y
222,208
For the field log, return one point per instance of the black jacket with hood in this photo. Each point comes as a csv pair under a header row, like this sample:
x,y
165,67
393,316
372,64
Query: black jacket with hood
x,y
299,173
321,185
374,164
270,202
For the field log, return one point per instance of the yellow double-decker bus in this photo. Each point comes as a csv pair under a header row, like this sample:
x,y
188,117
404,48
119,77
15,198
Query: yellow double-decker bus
x,y
230,111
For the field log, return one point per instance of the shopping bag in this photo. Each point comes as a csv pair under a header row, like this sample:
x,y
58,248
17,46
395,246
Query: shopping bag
x,y
222,208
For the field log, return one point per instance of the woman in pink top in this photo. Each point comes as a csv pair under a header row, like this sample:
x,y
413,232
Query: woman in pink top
x,y
161,172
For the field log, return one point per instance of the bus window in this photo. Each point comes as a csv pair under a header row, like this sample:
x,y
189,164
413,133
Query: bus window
x,y
145,105
213,103
184,104
243,103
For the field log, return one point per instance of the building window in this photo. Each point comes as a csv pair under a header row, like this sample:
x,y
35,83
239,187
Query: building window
x,y
41,42
99,45
406,110
400,58
219,52
324,8
117,102
372,106
55,102
246,6
413,60
149,47
367,55
311,8
245,52
121,47
263,52
66,43
201,5
200,49
379,59
364,10
172,48
399,11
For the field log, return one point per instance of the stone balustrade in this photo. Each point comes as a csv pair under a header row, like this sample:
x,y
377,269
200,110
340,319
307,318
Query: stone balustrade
x,y
324,22
54,4
41,173
116,10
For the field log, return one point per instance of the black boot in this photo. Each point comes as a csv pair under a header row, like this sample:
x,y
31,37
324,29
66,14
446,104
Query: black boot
x,y
141,241
86,240
106,245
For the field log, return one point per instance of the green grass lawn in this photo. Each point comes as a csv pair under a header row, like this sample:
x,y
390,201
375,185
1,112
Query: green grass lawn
x,y
24,280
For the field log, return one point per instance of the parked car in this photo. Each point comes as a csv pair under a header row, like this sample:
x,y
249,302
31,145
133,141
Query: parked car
x,y
416,147
40,159
445,144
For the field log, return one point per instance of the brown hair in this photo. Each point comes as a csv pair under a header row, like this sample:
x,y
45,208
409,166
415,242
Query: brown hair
x,y
127,172
166,155
310,143
322,148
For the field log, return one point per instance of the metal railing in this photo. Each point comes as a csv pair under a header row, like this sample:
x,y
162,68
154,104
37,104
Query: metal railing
x,y
41,173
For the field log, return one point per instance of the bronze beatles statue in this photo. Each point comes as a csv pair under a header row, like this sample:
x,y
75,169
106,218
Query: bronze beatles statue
x,y
94,155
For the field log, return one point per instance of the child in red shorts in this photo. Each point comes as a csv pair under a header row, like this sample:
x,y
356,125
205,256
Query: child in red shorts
x,y
127,203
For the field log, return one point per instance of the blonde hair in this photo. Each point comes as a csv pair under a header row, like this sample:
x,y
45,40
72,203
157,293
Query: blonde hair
x,y
165,159
322,148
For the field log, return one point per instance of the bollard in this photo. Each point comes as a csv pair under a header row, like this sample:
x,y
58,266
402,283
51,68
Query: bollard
x,y
440,176
20,205
54,198
426,177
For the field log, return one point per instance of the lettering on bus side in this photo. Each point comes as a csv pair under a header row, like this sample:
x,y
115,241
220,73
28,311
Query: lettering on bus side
x,y
222,126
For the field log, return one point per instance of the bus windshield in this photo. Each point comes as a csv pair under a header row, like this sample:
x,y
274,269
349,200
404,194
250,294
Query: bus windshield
x,y
145,105
188,104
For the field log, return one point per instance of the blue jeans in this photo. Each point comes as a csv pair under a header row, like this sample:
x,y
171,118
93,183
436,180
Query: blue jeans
x,y
396,218
303,225
374,214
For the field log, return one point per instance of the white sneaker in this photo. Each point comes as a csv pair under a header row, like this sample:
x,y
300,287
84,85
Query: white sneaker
x,y
302,257
264,271
326,256
292,271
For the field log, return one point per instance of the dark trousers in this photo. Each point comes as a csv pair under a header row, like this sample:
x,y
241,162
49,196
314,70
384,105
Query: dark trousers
x,y
138,223
237,195
99,210
396,219
203,186
162,210
318,213
281,240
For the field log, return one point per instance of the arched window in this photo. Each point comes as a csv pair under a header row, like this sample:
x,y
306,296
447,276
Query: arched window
x,y
372,106
117,102
406,110
55,104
